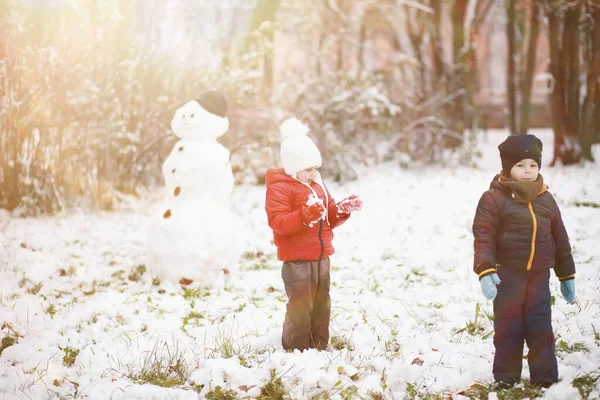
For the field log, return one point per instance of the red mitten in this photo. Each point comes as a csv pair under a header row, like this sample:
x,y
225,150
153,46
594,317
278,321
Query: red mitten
x,y
349,204
313,211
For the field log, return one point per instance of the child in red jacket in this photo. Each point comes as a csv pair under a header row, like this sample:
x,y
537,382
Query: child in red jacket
x,y
302,214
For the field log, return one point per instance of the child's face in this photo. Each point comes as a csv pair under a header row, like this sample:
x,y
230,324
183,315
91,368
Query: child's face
x,y
525,170
307,175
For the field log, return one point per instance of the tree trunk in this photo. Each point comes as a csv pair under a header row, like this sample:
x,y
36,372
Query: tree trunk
x,y
436,42
361,47
416,35
510,62
571,40
533,29
557,103
459,11
265,10
569,148
589,127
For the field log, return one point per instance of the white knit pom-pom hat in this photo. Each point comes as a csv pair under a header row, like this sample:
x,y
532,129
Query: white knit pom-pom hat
x,y
298,151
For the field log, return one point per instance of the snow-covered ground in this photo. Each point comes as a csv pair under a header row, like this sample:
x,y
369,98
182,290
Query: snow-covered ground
x,y
408,316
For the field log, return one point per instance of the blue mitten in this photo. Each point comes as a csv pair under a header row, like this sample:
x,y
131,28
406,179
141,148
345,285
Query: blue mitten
x,y
488,285
567,288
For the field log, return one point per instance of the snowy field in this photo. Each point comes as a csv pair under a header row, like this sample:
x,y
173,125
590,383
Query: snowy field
x,y
86,320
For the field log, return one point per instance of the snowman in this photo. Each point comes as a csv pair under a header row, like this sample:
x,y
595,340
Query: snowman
x,y
196,236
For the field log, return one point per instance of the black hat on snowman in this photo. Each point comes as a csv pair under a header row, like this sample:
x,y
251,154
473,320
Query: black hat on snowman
x,y
214,102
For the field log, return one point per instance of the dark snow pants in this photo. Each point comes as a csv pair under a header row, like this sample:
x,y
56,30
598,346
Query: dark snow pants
x,y
522,313
306,322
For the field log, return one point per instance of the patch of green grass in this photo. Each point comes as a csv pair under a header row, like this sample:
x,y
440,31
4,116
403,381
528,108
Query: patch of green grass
x,y
7,325
35,289
339,391
393,349
274,389
586,384
162,366
258,261
252,255
587,204
137,272
70,356
51,310
226,346
192,318
195,293
411,390
68,272
7,341
340,343
596,336
524,390
118,274
475,327
219,394
375,395
414,276
574,348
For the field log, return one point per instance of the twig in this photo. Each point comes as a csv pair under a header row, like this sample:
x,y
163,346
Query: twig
x,y
149,146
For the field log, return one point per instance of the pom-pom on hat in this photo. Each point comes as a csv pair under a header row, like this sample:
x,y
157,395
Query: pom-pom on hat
x,y
298,151
214,102
519,147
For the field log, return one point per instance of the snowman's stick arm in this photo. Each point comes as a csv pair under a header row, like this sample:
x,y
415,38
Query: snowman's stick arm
x,y
242,147
149,146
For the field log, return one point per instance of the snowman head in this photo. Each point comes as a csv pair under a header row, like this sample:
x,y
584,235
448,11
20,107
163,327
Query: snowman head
x,y
194,122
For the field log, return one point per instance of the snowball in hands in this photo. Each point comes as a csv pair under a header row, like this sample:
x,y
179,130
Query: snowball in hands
x,y
195,235
349,204
313,211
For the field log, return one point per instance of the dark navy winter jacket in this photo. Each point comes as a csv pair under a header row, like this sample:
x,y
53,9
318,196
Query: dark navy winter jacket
x,y
512,234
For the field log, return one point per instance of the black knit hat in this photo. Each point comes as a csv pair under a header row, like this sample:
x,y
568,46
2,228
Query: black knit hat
x,y
519,147
213,101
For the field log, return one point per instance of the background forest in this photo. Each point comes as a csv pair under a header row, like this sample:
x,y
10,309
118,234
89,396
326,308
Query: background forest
x,y
88,88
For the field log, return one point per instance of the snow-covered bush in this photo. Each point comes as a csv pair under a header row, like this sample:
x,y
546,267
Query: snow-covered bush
x,y
352,118
85,121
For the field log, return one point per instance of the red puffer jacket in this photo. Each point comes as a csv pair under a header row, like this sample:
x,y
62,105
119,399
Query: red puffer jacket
x,y
295,241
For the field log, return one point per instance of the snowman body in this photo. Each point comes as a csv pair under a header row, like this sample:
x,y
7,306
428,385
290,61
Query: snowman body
x,y
202,167
195,235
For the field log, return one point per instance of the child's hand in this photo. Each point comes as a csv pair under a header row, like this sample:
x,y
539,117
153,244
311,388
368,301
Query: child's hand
x,y
313,211
567,288
488,285
349,204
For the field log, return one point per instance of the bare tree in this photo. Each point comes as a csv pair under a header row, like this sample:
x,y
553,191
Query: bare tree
x,y
264,14
459,51
522,40
511,93
590,129
563,30
436,42
526,76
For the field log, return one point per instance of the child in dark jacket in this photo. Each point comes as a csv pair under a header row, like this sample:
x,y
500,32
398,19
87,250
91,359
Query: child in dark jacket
x,y
519,237
302,214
